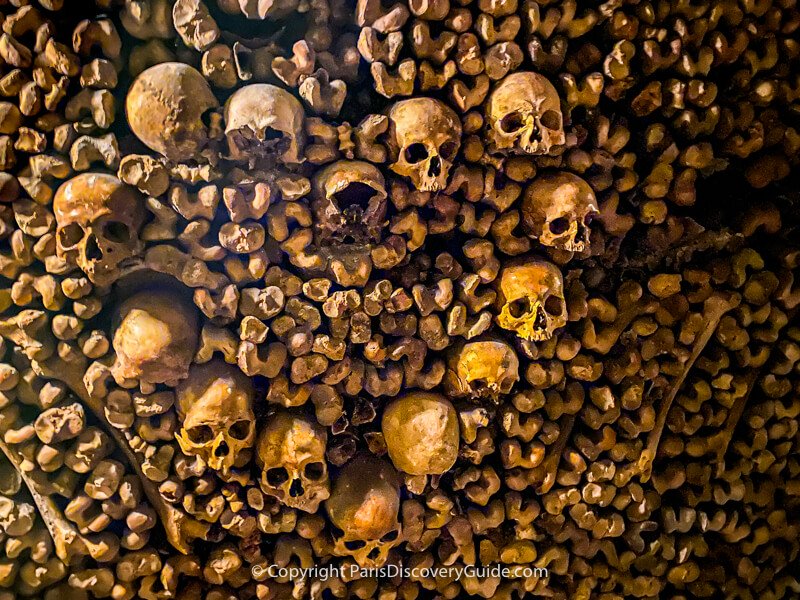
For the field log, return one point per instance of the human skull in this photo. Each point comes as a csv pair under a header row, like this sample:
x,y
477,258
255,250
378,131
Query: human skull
x,y
424,137
166,105
264,121
531,297
557,209
482,369
291,454
421,433
349,203
215,406
98,219
155,338
363,508
523,115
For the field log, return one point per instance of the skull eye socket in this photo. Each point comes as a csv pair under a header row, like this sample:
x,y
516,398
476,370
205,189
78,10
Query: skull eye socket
x,y
551,119
588,219
314,471
553,306
117,232
559,225
336,532
202,434
240,430
416,153
271,134
512,122
70,235
519,307
277,476
448,150
391,536
355,545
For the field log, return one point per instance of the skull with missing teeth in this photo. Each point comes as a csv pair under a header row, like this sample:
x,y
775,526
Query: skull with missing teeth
x,y
523,115
166,106
349,203
531,297
482,369
263,121
557,210
363,509
424,138
215,405
98,220
291,455
155,338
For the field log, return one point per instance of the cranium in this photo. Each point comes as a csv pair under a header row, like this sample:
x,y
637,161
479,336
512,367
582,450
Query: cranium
x,y
349,203
424,137
166,106
291,455
363,507
557,210
215,405
98,221
482,369
264,121
421,433
523,115
531,297
155,338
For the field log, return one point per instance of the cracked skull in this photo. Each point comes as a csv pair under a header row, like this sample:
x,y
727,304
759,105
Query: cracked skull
x,y
349,203
363,509
98,221
155,338
557,209
291,455
264,121
166,107
424,138
531,297
215,406
523,115
421,433
482,369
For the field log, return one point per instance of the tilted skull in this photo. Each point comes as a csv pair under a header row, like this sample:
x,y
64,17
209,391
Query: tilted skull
x,y
215,406
557,209
531,299
155,337
482,369
166,107
291,455
98,219
421,432
363,509
265,121
523,115
423,138
349,203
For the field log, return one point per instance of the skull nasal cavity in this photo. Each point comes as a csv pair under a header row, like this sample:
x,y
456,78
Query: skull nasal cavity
x,y
356,194
93,251
519,307
296,489
435,168
222,449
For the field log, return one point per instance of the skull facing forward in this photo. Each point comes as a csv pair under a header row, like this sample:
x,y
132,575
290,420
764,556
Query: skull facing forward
x,y
291,455
98,221
531,297
215,405
363,507
424,138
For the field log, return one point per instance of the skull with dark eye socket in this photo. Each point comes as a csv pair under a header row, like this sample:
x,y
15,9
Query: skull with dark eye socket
x,y
291,454
349,203
98,221
215,405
